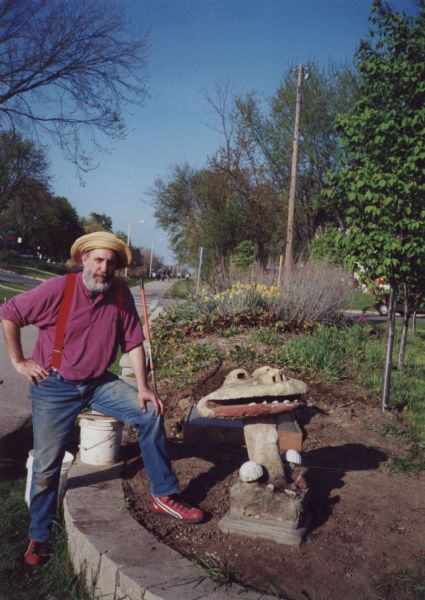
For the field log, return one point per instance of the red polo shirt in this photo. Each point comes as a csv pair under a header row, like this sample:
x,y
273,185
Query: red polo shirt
x,y
93,331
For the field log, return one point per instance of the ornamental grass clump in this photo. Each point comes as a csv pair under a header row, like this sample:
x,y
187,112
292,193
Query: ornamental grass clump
x,y
314,291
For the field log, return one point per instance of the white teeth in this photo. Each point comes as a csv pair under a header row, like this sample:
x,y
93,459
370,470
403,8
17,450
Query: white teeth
x,y
287,402
264,402
251,404
275,402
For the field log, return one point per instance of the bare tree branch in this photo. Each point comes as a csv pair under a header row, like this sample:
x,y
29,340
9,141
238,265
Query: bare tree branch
x,y
68,68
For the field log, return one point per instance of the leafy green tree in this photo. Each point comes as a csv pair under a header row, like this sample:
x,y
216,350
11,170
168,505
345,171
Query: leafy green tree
x,y
199,208
121,235
327,246
97,222
380,182
188,207
20,161
242,192
265,138
26,213
245,254
63,230
46,224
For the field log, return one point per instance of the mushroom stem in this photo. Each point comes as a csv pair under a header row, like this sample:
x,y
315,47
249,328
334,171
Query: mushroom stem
x,y
262,443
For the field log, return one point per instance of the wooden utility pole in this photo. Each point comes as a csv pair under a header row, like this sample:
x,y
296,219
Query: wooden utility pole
x,y
291,205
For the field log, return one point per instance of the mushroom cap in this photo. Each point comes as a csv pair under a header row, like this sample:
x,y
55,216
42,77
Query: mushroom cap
x,y
242,395
265,381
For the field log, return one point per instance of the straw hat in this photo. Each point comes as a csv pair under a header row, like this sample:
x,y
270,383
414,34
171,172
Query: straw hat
x,y
101,240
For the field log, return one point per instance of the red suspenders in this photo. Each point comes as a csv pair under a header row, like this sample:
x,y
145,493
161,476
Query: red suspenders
x,y
64,309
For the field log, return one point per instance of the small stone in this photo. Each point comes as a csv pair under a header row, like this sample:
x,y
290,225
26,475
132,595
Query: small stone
x,y
185,403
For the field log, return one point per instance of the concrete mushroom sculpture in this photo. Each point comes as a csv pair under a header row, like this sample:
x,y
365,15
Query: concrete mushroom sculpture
x,y
257,399
264,508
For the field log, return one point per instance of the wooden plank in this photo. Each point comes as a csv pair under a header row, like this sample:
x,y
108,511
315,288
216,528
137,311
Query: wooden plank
x,y
290,434
202,429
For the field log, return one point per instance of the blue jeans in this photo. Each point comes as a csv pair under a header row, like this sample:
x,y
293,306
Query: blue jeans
x,y
56,403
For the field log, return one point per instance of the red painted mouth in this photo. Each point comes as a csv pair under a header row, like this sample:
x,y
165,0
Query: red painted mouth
x,y
255,408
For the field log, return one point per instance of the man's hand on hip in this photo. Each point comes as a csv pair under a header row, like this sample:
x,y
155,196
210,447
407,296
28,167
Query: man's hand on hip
x,y
31,370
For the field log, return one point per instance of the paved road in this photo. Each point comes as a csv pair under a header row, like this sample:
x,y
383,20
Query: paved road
x,y
8,277
375,316
15,409
156,292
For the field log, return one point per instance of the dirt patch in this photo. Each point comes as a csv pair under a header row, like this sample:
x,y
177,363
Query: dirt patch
x,y
366,538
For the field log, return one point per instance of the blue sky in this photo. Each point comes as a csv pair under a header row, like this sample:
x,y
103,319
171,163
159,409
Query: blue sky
x,y
196,45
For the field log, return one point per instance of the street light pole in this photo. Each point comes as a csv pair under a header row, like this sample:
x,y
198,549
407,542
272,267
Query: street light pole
x,y
151,258
291,205
150,262
130,221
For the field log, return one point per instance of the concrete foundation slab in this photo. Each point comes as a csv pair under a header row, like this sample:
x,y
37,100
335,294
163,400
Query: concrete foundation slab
x,y
258,528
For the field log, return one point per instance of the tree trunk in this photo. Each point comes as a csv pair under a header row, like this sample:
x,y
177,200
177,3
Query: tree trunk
x,y
404,329
386,382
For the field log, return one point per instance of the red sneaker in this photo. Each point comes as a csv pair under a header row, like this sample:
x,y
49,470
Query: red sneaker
x,y
36,553
173,507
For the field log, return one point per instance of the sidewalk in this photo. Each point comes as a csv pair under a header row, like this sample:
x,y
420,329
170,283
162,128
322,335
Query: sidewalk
x,y
15,408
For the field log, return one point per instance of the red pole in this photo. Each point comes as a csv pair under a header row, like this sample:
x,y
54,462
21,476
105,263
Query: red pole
x,y
147,331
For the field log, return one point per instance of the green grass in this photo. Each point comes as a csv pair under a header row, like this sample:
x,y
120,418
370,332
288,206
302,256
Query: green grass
x,y
6,294
356,352
56,579
265,335
11,289
360,301
183,289
16,287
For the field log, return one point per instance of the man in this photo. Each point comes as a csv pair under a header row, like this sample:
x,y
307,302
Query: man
x,y
82,319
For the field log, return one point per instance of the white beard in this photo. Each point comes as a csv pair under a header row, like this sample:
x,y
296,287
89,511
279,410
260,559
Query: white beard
x,y
93,285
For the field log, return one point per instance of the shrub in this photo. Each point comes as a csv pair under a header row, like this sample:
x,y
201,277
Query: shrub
x,y
315,291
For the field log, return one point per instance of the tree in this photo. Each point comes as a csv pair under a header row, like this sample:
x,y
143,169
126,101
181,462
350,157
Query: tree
x,y
64,231
97,222
45,223
241,193
380,181
245,254
68,68
20,160
199,208
266,136
26,213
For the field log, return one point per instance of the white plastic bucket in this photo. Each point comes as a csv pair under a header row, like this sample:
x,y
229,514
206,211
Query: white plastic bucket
x,y
66,465
100,439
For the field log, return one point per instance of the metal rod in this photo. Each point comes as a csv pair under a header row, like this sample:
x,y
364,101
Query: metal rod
x,y
147,330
